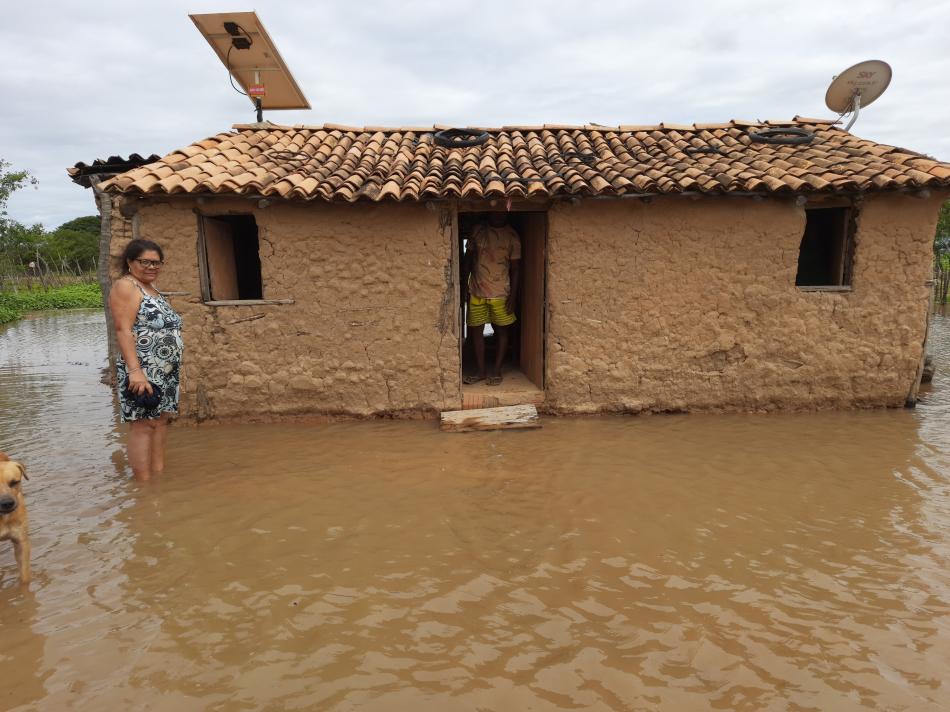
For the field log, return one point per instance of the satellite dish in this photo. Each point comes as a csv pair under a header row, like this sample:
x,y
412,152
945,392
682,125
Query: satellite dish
x,y
857,86
243,46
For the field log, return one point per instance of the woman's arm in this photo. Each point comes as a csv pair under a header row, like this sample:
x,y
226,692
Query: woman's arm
x,y
124,301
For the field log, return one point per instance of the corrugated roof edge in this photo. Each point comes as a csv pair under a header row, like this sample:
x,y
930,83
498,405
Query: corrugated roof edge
x,y
81,173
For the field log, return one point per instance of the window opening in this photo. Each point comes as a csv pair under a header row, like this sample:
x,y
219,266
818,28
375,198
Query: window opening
x,y
826,253
232,258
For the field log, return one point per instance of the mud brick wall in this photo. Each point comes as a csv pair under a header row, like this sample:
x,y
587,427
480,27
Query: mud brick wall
x,y
692,305
373,326
671,305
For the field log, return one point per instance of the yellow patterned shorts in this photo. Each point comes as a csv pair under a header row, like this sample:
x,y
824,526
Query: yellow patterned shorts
x,y
482,311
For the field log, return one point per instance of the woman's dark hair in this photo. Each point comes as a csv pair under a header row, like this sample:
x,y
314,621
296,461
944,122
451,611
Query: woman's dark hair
x,y
134,249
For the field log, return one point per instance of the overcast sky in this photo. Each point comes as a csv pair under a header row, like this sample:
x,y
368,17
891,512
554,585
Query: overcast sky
x,y
85,80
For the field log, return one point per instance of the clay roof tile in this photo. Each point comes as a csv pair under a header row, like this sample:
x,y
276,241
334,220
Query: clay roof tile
x,y
335,162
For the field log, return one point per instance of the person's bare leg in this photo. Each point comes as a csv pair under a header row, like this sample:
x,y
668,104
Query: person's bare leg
x,y
478,341
502,332
140,448
159,435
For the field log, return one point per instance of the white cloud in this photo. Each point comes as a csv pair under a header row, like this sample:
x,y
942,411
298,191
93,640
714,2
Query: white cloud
x,y
89,80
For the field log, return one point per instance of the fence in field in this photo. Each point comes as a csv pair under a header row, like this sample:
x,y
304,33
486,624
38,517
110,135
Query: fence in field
x,y
40,274
26,282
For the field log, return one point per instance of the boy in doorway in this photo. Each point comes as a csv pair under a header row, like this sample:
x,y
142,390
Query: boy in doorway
x,y
492,271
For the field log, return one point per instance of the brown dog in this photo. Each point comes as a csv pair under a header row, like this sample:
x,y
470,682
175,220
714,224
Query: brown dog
x,y
13,522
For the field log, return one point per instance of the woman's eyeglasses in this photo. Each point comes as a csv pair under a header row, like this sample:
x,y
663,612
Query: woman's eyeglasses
x,y
150,263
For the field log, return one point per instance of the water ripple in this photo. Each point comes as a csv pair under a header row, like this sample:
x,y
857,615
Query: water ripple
x,y
687,562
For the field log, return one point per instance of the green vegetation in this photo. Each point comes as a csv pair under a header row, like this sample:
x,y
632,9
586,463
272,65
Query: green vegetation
x,y
943,222
73,296
942,255
72,248
41,269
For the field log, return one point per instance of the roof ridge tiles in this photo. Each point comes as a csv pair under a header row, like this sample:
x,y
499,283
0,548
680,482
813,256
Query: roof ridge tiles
x,y
805,120
663,126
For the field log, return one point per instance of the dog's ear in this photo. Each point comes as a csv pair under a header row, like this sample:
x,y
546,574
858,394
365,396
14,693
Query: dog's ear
x,y
3,457
22,470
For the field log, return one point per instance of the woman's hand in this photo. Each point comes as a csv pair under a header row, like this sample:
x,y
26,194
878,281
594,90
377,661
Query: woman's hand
x,y
139,384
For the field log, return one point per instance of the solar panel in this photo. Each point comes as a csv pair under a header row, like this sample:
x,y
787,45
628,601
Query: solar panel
x,y
244,47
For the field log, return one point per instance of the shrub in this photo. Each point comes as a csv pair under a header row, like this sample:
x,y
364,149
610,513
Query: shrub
x,y
8,314
73,296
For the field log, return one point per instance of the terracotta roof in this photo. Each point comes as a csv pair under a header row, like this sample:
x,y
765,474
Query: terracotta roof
x,y
346,163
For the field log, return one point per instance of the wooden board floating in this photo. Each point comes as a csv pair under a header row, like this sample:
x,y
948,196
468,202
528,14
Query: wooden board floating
x,y
504,418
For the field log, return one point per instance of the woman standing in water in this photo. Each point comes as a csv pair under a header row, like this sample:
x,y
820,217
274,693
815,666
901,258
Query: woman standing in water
x,y
148,332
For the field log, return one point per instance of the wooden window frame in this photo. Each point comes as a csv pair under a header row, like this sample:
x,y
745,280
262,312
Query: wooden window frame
x,y
843,261
204,274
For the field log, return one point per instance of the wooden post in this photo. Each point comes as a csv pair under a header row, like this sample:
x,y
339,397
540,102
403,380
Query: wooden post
x,y
911,401
457,306
104,203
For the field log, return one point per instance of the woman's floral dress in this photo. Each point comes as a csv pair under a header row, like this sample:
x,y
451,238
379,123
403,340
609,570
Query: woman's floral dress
x,y
158,345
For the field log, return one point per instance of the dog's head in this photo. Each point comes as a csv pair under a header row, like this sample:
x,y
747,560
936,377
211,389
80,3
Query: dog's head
x,y
11,475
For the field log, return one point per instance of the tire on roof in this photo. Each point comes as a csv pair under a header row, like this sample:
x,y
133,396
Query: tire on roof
x,y
790,136
460,138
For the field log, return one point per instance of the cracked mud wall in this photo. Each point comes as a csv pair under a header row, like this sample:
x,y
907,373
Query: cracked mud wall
x,y
692,305
368,333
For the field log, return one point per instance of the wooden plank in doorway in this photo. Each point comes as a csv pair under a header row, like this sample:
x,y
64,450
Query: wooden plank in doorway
x,y
532,297
505,418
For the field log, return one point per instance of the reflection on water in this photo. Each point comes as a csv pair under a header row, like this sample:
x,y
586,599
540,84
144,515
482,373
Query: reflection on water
x,y
680,562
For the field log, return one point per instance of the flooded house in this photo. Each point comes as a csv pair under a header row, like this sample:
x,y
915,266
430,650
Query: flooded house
x,y
739,266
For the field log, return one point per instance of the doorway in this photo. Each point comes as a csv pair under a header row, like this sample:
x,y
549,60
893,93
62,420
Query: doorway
x,y
523,367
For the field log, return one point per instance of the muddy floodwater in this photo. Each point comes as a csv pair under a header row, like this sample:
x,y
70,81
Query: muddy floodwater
x,y
689,562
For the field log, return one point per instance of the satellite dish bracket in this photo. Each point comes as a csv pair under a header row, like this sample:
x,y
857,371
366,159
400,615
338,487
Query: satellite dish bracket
x,y
855,108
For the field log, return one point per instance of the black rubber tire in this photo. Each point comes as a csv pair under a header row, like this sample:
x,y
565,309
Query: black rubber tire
x,y
788,136
460,138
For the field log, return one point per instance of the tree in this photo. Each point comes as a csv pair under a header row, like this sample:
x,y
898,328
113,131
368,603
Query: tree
x,y
16,240
942,237
19,243
87,223
10,182
942,255
74,244
76,248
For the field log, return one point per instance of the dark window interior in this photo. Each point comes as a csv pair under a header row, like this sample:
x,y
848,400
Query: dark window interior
x,y
233,257
826,252
247,258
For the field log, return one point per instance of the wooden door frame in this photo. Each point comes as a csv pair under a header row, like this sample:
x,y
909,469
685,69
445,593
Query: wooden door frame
x,y
524,206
